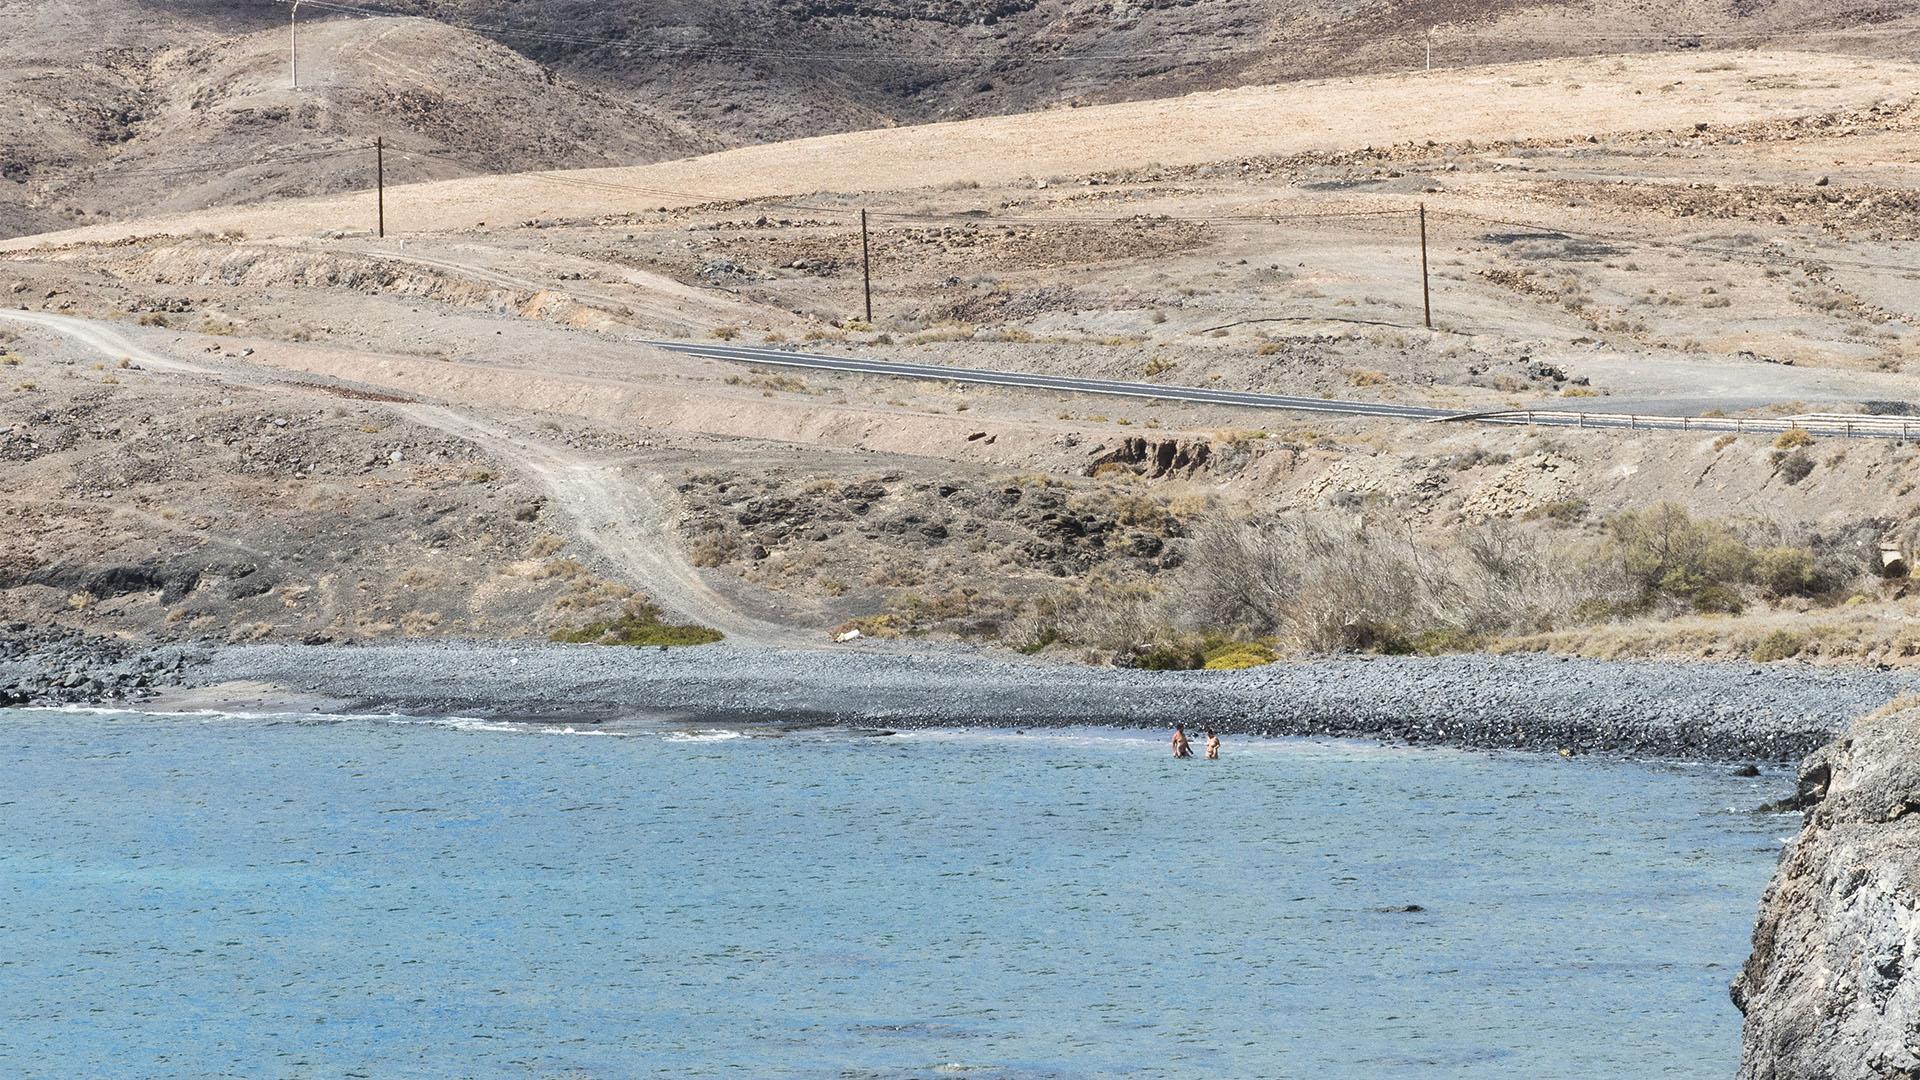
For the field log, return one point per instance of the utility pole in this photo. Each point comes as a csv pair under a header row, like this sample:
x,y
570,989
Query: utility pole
x,y
866,266
1430,31
380,184
1426,289
293,47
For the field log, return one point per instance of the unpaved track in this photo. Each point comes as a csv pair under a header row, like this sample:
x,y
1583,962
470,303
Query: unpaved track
x,y
107,341
623,517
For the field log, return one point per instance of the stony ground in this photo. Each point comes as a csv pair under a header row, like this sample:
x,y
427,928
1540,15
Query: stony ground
x,y
1710,712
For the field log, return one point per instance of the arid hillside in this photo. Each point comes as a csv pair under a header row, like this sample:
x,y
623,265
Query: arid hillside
x,y
122,108
126,126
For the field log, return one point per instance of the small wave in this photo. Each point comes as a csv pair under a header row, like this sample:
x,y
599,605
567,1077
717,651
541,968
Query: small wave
x,y
464,723
701,735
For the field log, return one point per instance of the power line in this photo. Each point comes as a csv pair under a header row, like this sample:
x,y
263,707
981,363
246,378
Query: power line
x,y
575,181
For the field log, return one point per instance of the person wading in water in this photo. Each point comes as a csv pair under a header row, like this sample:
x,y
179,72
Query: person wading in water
x,y
1213,746
1180,747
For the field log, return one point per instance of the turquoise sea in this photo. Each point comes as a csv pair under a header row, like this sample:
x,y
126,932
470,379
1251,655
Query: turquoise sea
x,y
268,897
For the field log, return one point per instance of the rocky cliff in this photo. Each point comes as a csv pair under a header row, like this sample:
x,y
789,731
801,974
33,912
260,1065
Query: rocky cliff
x,y
1830,990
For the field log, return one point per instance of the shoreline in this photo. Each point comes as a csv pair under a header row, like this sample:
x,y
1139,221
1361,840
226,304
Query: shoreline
x,y
1702,711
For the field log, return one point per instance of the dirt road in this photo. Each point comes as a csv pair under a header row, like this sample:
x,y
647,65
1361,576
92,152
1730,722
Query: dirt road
x,y
625,518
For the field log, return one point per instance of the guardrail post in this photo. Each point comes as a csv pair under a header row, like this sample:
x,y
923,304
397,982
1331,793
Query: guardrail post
x,y
1579,420
1630,421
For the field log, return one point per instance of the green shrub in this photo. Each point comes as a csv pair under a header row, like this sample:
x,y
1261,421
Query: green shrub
x,y
642,627
1778,645
1717,600
1663,550
1438,642
1238,655
1176,656
1783,571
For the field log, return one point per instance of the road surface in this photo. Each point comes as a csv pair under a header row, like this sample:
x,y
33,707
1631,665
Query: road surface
x,y
1847,426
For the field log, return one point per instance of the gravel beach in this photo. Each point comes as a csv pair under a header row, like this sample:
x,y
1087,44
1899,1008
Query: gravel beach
x,y
1705,711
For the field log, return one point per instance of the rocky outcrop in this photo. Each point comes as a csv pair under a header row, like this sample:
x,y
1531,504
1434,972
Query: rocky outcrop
x,y
1830,992
1155,458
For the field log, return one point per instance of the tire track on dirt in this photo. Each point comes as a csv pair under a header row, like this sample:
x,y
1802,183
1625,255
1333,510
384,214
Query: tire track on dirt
x,y
624,518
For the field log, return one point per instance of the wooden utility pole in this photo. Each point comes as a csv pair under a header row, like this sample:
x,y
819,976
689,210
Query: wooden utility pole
x,y
1426,289
380,184
1430,31
866,266
293,46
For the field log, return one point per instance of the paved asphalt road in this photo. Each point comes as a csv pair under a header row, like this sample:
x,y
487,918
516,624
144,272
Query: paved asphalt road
x,y
1863,427
781,357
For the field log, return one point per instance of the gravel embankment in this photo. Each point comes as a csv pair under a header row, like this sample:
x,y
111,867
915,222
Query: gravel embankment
x,y
1719,711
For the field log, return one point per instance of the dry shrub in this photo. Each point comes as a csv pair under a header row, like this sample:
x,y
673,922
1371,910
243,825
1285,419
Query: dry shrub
x,y
1326,583
714,549
873,626
586,592
1779,645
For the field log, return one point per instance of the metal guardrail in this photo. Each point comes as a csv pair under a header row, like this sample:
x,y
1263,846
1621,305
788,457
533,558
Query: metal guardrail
x,y
1842,425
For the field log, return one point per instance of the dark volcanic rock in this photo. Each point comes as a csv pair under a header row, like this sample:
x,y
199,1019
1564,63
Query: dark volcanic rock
x,y
1830,991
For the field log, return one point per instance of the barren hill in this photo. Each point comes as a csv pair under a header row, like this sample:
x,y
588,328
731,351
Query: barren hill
x,y
1554,101
124,108
109,129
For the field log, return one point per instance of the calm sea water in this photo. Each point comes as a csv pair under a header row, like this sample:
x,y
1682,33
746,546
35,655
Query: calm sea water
x,y
265,897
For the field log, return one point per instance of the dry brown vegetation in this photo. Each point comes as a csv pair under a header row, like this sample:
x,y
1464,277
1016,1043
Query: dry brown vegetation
x,y
1320,583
